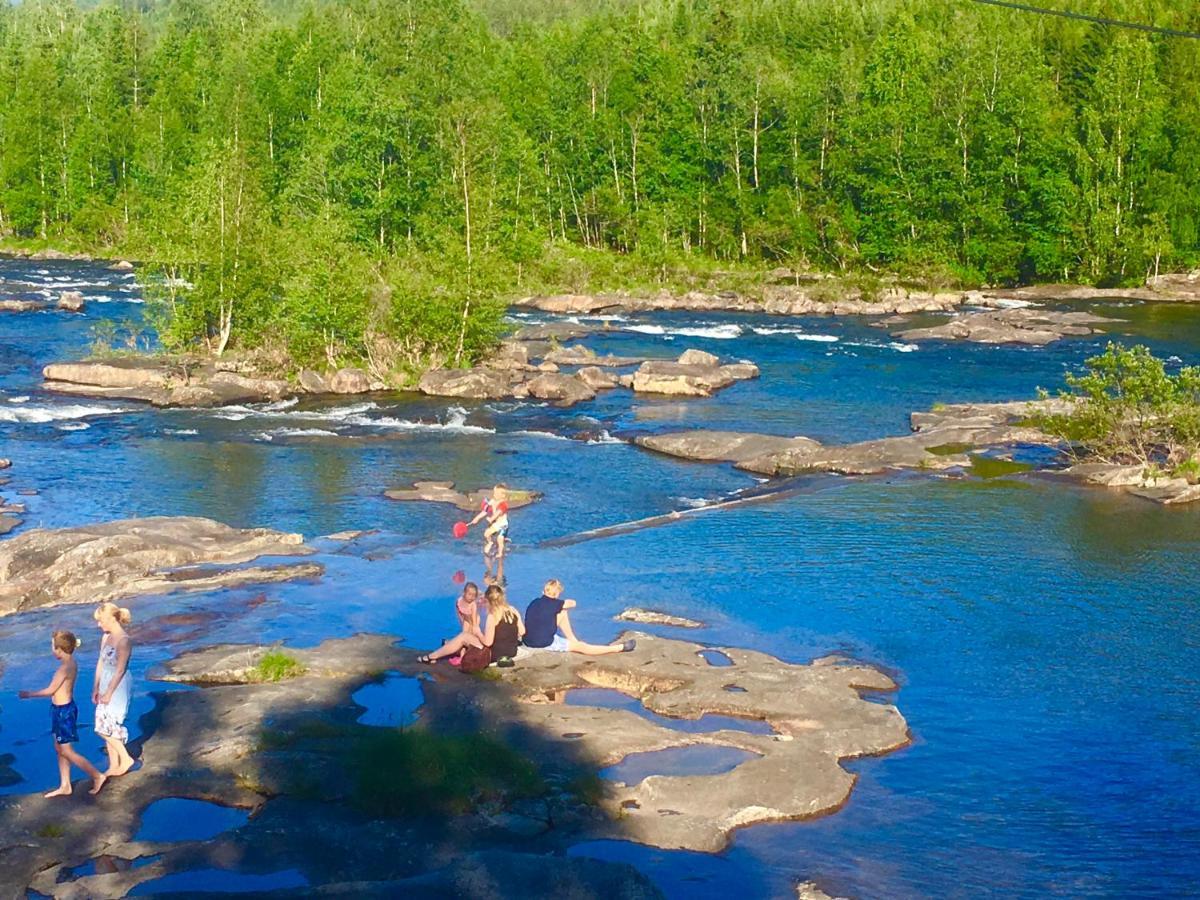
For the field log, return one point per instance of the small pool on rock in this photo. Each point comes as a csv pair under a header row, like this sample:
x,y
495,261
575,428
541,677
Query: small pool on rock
x,y
608,698
104,865
714,657
391,702
221,881
177,819
696,759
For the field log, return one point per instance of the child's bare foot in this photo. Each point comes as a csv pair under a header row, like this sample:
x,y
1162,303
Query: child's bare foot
x,y
63,790
97,783
121,769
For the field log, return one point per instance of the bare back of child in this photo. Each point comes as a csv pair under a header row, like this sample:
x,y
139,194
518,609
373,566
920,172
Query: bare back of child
x,y
64,715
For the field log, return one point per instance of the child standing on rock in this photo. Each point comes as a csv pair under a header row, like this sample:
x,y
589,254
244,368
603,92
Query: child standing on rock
x,y
495,510
64,715
111,688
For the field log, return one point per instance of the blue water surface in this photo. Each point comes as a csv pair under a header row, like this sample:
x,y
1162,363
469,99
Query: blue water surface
x,y
1046,637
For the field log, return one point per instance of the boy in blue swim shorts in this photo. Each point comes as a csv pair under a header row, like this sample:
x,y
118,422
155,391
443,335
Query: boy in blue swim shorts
x,y
64,715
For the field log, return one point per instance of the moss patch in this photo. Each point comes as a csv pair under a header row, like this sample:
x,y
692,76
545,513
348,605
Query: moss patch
x,y
952,449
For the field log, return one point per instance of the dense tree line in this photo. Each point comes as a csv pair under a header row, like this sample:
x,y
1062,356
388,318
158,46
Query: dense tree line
x,y
360,179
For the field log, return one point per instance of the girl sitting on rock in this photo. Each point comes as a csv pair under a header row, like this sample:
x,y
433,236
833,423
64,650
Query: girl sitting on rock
x,y
501,636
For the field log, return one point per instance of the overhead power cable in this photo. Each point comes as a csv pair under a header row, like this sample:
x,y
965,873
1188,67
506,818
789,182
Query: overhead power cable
x,y
1098,20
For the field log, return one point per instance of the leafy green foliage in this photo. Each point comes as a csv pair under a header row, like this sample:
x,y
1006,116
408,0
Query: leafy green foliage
x,y
1127,408
368,182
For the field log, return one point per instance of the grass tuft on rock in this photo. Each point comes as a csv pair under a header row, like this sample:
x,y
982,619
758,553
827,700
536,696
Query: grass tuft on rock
x,y
277,666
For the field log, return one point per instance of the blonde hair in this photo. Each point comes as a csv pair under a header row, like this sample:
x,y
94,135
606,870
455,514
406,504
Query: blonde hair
x,y
497,602
65,641
120,613
552,584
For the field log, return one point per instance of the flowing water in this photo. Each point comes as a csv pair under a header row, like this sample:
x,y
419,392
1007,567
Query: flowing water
x,y
1046,637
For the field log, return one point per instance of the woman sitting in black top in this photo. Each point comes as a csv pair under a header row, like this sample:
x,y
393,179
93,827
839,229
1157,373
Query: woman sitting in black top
x,y
502,633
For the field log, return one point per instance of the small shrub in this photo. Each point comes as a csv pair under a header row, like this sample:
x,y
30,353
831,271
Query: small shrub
x,y
51,831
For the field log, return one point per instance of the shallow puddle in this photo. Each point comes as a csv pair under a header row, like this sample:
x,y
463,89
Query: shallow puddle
x,y
714,657
697,759
104,865
177,819
608,698
392,702
219,881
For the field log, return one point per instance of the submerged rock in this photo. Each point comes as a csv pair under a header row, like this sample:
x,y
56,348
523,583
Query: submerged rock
x,y
124,558
654,617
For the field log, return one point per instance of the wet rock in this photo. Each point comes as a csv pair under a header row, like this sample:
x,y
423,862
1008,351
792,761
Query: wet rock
x,y
596,378
5,463
445,492
1139,480
9,522
551,331
11,305
723,446
478,383
809,890
350,381
313,382
564,389
115,560
1010,326
70,301
654,617
122,265
690,379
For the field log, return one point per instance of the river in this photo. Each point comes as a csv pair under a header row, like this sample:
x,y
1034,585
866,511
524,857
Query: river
x,y
1046,636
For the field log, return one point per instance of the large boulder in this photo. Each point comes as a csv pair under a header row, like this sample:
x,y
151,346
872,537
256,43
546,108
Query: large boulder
x,y
564,389
71,301
596,378
687,380
122,265
478,383
313,382
698,358
350,381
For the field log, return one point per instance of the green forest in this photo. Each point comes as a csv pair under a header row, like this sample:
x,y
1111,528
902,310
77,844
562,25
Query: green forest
x,y
367,180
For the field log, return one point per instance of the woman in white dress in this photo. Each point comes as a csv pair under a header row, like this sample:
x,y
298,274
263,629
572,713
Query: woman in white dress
x,y
110,690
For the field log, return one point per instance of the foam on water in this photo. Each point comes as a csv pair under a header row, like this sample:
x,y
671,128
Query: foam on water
x,y
819,338
40,415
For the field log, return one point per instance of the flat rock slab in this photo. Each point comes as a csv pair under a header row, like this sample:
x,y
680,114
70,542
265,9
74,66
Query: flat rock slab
x,y
965,426
163,381
1137,480
1010,326
445,492
124,558
723,446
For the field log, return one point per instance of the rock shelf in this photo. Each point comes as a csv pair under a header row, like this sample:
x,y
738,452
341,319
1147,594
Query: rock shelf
x,y
1010,326
208,744
125,558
